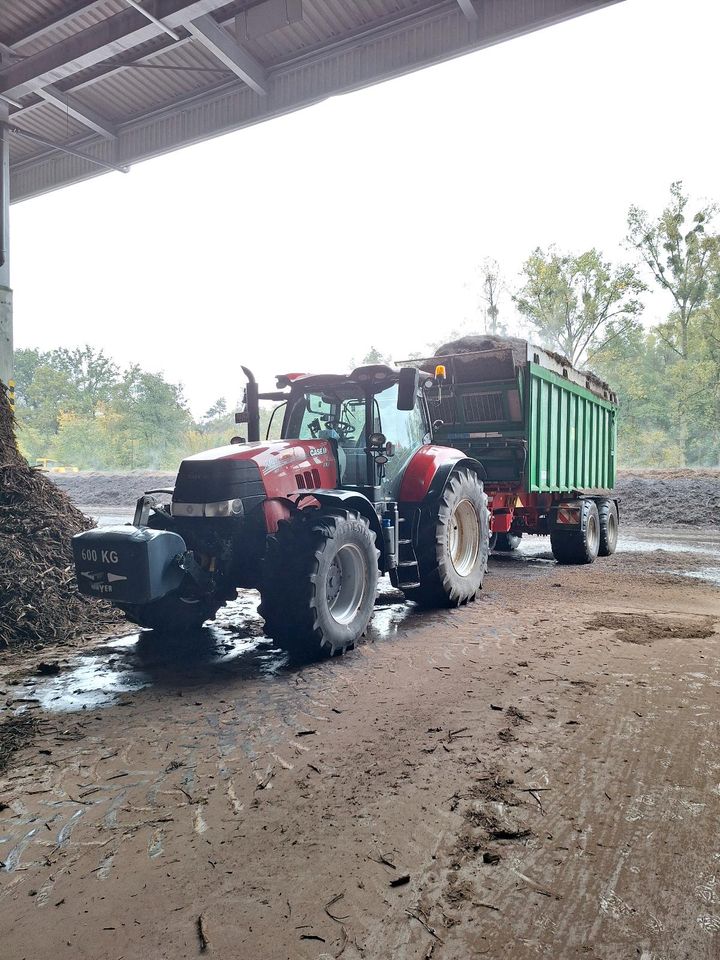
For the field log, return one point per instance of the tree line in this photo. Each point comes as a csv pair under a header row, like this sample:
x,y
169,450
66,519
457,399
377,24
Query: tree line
x,y
78,407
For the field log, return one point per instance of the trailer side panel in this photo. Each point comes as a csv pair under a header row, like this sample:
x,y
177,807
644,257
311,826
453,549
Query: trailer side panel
x,y
571,436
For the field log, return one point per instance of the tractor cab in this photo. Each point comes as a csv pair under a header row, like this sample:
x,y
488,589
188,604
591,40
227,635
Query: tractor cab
x,y
374,419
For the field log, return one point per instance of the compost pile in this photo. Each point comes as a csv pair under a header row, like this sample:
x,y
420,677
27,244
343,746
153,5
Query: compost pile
x,y
476,343
652,498
111,489
39,601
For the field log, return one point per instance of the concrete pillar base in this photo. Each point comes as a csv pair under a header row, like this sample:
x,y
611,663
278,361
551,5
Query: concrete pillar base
x,y
6,335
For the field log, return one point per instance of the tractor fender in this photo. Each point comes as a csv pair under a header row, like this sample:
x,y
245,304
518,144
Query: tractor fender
x,y
351,500
429,470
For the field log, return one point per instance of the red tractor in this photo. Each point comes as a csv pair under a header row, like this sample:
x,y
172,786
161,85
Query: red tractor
x,y
354,489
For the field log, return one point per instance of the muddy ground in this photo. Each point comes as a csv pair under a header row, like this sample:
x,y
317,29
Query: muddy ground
x,y
536,775
647,497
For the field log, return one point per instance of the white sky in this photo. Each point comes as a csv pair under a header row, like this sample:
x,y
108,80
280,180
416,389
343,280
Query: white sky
x,y
299,243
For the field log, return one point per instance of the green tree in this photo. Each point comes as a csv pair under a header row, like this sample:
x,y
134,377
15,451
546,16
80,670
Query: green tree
x,y
61,381
45,398
91,374
571,299
216,412
89,444
25,364
491,289
153,418
375,356
680,256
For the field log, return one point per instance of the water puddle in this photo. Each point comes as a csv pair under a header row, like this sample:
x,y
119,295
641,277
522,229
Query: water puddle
x,y
94,680
703,544
632,541
233,646
709,574
537,551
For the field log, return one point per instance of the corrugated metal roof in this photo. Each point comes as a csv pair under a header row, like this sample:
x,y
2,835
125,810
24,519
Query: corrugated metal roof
x,y
89,15
157,92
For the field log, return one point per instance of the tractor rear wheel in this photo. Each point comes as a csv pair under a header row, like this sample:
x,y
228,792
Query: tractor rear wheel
x,y
453,544
172,614
320,580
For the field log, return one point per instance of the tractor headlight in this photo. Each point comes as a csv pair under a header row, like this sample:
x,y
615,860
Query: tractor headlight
x,y
224,508
221,508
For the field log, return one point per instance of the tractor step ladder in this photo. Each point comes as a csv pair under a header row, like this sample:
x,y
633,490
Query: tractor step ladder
x,y
408,571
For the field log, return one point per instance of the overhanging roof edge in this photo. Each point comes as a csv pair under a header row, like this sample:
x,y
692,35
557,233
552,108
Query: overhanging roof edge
x,y
434,36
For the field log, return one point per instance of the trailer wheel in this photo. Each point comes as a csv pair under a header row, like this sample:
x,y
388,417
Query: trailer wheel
x,y
172,614
320,580
507,542
609,523
578,545
453,545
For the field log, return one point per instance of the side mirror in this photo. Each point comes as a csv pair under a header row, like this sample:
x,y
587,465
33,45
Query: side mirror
x,y
407,388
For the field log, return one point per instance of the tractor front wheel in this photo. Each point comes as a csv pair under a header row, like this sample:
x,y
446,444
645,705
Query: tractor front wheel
x,y
453,544
320,581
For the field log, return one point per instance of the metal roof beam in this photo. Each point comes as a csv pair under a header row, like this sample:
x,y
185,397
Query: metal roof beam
x,y
63,148
469,9
70,104
153,19
229,52
72,9
382,22
95,44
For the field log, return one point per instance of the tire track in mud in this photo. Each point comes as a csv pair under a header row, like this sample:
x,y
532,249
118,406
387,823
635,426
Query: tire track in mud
x,y
242,733
588,883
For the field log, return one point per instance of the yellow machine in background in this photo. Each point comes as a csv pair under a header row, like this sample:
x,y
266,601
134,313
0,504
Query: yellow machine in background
x,y
52,466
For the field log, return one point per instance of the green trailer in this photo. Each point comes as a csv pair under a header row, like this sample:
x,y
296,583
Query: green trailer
x,y
545,434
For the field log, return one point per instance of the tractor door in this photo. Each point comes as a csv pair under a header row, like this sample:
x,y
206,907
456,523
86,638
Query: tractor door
x,y
407,430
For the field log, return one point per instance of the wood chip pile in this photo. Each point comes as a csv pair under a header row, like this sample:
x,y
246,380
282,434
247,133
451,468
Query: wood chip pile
x,y
16,732
39,601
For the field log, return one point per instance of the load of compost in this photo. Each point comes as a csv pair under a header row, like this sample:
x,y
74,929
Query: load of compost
x,y
39,601
480,343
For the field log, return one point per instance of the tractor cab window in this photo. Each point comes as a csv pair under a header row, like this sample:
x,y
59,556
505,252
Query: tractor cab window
x,y
338,414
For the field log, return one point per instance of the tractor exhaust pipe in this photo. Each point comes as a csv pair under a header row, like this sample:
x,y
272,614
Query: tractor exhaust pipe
x,y
252,405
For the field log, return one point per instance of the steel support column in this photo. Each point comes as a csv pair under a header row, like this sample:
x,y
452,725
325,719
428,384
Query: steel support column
x,y
6,318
